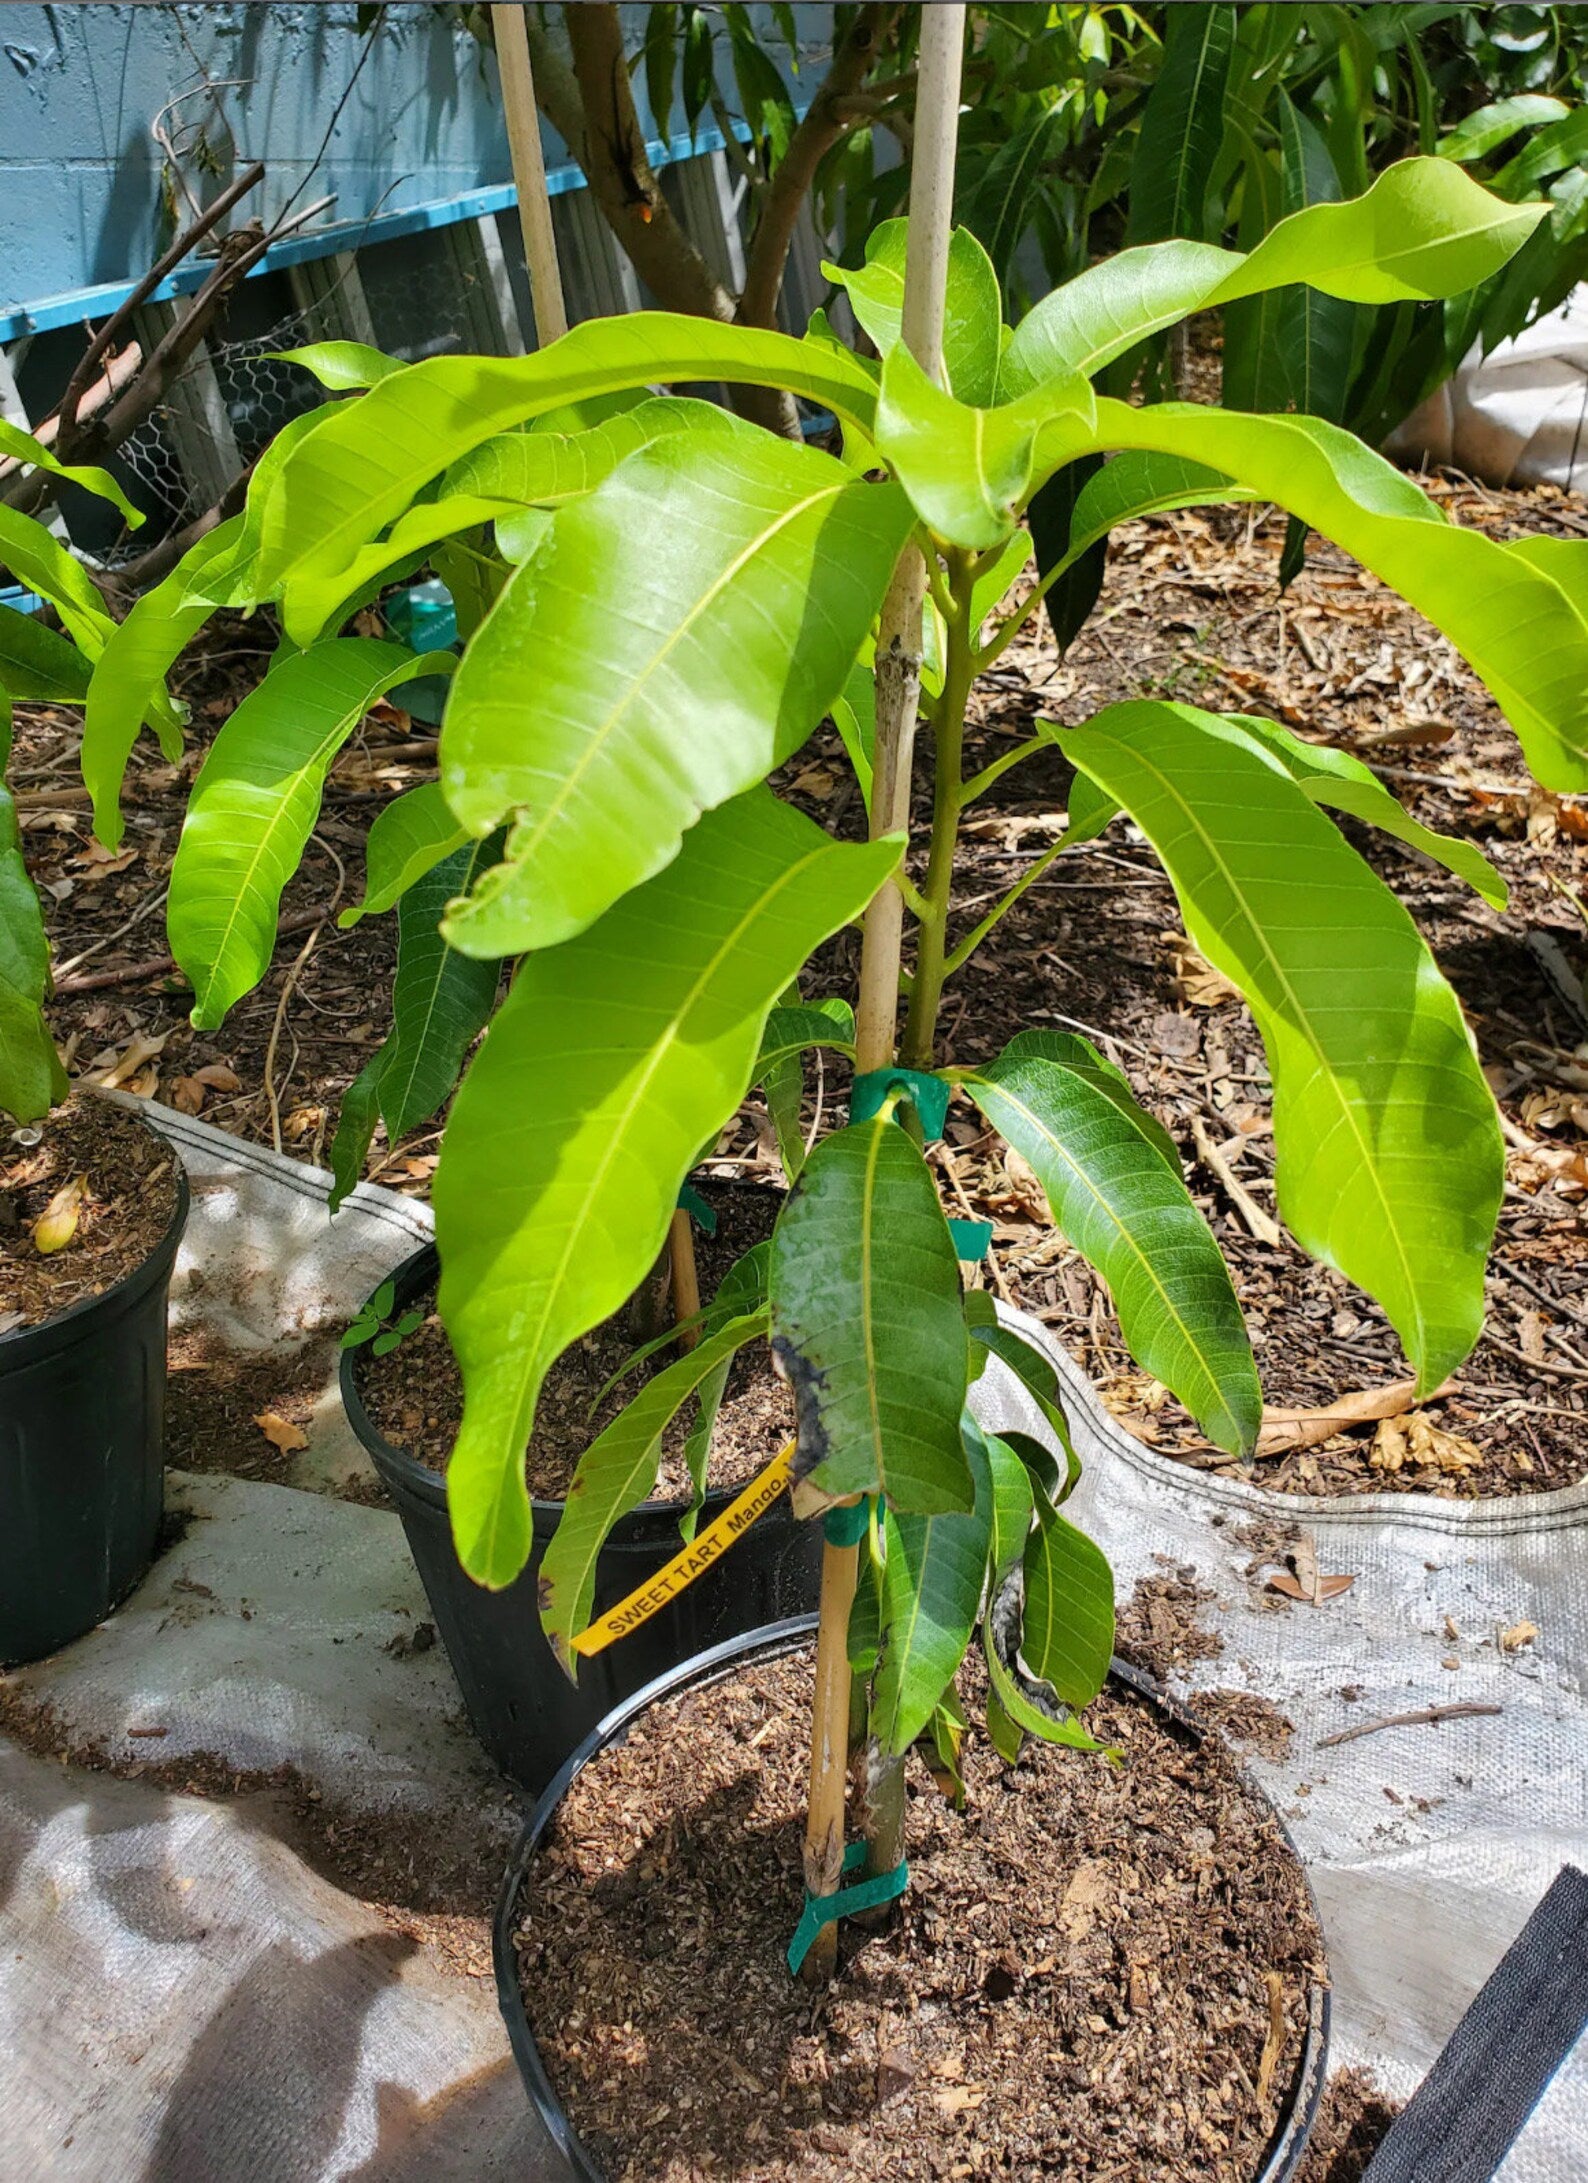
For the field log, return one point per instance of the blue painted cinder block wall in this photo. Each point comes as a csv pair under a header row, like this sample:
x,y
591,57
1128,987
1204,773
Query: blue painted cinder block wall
x,y
80,194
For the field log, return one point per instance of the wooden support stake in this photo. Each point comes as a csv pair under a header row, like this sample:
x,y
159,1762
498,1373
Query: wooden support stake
x,y
898,692
686,1280
529,173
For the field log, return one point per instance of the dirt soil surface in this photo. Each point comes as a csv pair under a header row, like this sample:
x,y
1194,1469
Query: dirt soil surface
x,y
94,1176
1099,1971
414,1394
1353,2119
1192,610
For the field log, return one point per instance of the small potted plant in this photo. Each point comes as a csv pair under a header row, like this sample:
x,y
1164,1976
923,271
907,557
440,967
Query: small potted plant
x,y
672,605
92,1204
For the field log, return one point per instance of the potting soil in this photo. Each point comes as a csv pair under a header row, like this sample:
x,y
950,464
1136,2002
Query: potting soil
x,y
186,1991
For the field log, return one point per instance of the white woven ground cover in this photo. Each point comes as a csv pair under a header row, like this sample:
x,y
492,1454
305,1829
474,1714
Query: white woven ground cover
x,y
181,1998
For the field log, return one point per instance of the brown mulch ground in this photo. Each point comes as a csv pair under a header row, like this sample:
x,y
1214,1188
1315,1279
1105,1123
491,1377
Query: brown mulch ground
x,y
414,1393
1352,2119
96,1187
1054,1970
1191,610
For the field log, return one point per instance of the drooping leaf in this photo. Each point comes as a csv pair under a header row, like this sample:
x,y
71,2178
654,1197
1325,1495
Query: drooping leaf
x,y
34,455
1316,331
356,473
355,1128
1067,1632
932,1583
440,999
1343,783
37,663
613,1476
1424,229
1388,1148
1074,572
411,834
1021,1713
855,716
31,1076
1182,127
136,658
254,805
868,1324
972,315
746,578
344,367
40,563
613,1059
1073,1052
1516,622
1012,1506
794,1027
1127,1211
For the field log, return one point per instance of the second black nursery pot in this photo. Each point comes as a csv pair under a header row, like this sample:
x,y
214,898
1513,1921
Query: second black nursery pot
x,y
520,1703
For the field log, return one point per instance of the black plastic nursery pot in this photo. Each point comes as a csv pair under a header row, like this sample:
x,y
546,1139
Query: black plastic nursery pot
x,y
82,1455
520,1703
1286,2148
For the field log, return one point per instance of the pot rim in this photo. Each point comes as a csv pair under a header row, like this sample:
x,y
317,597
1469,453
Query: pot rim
x,y
26,1345
431,1485
1297,2114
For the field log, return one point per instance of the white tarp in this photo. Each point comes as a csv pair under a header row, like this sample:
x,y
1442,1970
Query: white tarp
x,y
1518,416
180,1997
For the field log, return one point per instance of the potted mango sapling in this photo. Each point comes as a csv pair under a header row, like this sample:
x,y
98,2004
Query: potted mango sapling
x,y
92,1201
667,610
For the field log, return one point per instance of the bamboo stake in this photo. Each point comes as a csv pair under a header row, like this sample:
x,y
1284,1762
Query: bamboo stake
x,y
898,694
529,173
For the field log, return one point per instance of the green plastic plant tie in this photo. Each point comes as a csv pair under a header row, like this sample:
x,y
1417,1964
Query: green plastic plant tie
x,y
691,1202
971,1238
847,1526
846,1902
928,1095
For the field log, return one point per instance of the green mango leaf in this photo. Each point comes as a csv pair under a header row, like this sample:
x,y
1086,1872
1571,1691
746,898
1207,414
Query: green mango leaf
x,y
1125,1208
129,676
1182,125
1344,783
1006,1736
355,1128
1478,134
1073,1052
440,999
344,367
24,950
966,470
972,313
254,805
40,563
747,578
367,461
1519,624
410,836
1317,333
793,1028
1425,229
34,455
1067,1632
612,1060
1012,1506
1019,1711
39,663
31,1076
613,1476
135,661
855,717
1389,1160
868,1324
932,1583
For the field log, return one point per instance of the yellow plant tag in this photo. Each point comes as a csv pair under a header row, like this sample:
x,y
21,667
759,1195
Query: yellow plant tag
x,y
709,1546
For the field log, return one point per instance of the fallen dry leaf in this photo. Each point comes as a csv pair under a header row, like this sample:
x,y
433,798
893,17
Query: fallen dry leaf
x,y
1196,981
217,1077
1283,1430
281,1432
1518,1635
1317,1594
1419,1442
57,1224
187,1095
130,1062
